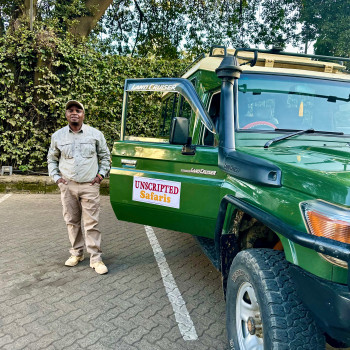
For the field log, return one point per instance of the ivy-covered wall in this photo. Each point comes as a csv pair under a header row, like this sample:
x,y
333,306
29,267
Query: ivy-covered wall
x,y
40,72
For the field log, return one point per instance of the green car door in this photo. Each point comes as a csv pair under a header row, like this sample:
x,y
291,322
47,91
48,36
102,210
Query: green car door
x,y
156,182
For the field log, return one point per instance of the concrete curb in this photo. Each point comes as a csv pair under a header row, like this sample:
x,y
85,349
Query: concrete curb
x,y
36,184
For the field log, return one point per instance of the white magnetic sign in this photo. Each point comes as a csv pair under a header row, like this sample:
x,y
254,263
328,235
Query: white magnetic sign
x,y
158,192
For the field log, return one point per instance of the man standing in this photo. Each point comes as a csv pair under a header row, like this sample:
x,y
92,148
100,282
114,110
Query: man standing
x,y
78,160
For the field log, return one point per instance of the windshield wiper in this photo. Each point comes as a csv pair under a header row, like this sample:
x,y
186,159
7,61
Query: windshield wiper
x,y
300,132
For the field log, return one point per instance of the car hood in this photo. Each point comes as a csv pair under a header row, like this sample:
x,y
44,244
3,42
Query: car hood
x,y
323,172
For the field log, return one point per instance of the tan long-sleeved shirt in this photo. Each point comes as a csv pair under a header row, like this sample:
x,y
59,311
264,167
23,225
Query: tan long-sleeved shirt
x,y
78,156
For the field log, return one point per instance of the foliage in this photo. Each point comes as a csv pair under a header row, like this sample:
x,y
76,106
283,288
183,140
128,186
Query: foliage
x,y
243,23
327,22
59,14
181,28
169,28
41,71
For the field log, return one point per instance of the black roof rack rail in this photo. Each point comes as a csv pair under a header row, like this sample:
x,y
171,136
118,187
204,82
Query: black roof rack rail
x,y
278,51
275,50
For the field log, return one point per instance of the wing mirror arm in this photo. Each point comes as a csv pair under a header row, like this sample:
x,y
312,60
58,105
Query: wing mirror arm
x,y
188,149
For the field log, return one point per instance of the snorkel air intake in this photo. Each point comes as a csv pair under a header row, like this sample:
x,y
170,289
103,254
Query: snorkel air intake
x,y
233,162
228,71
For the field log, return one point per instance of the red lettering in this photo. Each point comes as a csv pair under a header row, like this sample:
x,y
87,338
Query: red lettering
x,y
145,185
152,186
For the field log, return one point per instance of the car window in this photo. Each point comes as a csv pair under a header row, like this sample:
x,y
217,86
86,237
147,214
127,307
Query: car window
x,y
207,138
149,114
267,102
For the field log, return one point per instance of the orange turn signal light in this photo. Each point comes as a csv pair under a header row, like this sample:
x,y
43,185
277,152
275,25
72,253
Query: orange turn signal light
x,y
323,226
327,220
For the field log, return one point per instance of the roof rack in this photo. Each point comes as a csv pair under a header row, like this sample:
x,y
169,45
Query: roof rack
x,y
274,50
278,51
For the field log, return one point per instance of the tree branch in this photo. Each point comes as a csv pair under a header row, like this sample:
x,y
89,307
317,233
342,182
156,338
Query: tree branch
x,y
142,16
85,24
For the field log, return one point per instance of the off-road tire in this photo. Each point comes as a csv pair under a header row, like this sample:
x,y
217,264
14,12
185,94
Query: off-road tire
x,y
286,323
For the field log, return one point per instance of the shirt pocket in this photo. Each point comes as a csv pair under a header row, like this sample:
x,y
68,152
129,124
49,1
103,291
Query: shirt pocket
x,y
66,149
88,148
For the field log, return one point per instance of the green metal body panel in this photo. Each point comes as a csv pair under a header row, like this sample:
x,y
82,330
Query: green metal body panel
x,y
313,167
201,194
153,162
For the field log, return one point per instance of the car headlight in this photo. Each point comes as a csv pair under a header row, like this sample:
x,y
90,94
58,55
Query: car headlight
x,y
327,220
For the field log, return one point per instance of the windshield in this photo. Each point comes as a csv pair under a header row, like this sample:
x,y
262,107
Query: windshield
x,y
268,102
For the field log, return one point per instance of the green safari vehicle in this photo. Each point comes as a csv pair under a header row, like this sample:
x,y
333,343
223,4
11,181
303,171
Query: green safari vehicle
x,y
250,152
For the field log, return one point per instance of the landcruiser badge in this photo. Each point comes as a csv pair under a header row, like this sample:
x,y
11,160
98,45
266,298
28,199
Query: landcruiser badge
x,y
154,191
199,171
153,87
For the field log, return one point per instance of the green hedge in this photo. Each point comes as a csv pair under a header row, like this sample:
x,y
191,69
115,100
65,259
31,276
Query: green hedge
x,y
40,71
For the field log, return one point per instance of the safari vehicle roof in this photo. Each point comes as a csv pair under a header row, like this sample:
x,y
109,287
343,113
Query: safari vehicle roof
x,y
273,61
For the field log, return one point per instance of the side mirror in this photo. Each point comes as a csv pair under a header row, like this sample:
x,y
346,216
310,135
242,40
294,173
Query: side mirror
x,y
179,135
179,131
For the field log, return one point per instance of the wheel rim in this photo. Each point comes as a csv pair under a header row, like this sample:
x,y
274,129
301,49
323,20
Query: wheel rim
x,y
248,319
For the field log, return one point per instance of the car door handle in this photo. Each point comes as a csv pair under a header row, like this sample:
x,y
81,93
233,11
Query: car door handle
x,y
129,163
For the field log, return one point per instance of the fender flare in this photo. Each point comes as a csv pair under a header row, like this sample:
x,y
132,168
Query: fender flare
x,y
320,244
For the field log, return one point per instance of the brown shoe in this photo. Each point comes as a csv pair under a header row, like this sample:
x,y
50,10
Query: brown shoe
x,y
74,260
99,267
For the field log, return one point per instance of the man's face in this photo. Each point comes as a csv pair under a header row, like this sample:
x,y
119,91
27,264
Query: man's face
x,y
75,115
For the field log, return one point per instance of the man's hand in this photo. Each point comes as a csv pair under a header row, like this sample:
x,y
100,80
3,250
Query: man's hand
x,y
61,181
96,180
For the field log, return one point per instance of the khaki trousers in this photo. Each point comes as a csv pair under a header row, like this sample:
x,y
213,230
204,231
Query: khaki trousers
x,y
82,201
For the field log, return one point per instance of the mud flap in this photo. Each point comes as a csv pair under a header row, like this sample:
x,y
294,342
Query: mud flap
x,y
229,244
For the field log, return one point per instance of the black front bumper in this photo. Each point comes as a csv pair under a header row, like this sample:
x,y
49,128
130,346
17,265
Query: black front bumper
x,y
329,303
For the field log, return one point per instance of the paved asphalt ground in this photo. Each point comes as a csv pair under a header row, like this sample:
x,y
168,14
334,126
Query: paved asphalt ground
x,y
45,305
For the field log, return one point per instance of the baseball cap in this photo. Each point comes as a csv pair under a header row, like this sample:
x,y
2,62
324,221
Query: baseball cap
x,y
75,103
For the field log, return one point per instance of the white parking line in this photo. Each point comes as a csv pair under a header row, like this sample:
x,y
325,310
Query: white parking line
x,y
182,316
5,197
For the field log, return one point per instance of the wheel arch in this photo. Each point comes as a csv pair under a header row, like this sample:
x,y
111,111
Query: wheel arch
x,y
236,230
